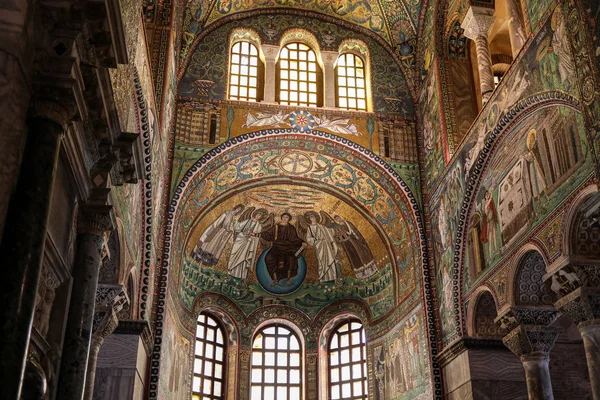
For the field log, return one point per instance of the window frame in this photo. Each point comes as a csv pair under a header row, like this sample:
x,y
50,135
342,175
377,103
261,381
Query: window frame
x,y
260,71
363,362
300,367
355,76
318,77
223,363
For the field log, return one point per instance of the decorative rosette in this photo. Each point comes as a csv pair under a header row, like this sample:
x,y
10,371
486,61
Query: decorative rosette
x,y
302,121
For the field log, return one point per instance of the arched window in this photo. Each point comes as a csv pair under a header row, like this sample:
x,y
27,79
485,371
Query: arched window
x,y
244,72
276,364
299,76
209,360
351,92
348,362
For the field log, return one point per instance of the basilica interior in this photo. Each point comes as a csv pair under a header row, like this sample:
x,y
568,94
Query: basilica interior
x,y
300,199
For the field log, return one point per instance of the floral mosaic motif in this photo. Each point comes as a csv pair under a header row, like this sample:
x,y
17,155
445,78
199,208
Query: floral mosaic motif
x,y
302,121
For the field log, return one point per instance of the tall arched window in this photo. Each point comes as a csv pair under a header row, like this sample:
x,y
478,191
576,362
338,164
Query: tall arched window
x,y
209,360
351,92
299,76
276,364
348,362
244,72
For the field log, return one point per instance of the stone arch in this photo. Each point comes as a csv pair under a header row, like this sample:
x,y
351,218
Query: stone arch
x,y
582,238
505,125
483,315
528,287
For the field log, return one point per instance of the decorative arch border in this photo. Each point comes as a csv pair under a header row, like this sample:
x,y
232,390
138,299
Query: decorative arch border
x,y
146,238
570,215
516,114
475,297
206,30
513,268
426,293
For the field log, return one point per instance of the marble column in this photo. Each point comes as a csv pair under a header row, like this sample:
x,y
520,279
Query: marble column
x,y
531,338
22,249
515,26
590,333
270,52
477,24
92,223
578,299
108,323
329,59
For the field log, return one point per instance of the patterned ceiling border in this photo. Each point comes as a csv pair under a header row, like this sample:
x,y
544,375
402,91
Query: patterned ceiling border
x,y
162,279
409,74
146,239
507,122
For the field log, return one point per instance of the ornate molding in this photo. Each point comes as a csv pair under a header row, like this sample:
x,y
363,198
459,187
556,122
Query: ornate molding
x,y
468,343
581,305
525,340
111,297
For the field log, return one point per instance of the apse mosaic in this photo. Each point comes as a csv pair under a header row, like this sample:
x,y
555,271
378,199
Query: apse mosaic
x,y
295,221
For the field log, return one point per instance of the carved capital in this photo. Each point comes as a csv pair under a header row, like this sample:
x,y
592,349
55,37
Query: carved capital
x,y
95,220
53,103
513,317
477,22
528,340
111,297
571,277
104,324
581,305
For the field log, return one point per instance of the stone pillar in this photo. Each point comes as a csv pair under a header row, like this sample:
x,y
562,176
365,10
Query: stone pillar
x,y
515,26
579,299
21,251
329,59
312,374
477,24
531,338
244,374
110,299
92,223
270,53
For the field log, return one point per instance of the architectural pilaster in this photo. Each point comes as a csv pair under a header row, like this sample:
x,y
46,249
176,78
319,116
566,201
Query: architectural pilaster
x,y
110,299
23,248
329,59
93,222
531,338
578,289
270,53
477,24
516,30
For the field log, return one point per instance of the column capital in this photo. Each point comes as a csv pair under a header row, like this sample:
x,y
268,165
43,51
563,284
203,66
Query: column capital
x,y
531,340
111,297
53,103
329,57
578,291
270,51
478,22
513,317
95,220
105,322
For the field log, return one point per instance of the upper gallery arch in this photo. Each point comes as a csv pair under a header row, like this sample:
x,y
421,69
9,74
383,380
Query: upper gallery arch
x,y
204,63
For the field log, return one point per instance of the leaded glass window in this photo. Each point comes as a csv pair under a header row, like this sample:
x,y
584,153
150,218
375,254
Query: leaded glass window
x,y
350,82
244,72
276,364
208,382
299,76
348,362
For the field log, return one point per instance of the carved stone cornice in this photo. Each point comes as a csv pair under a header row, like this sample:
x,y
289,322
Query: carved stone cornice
x,y
468,343
477,22
531,340
514,316
95,220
